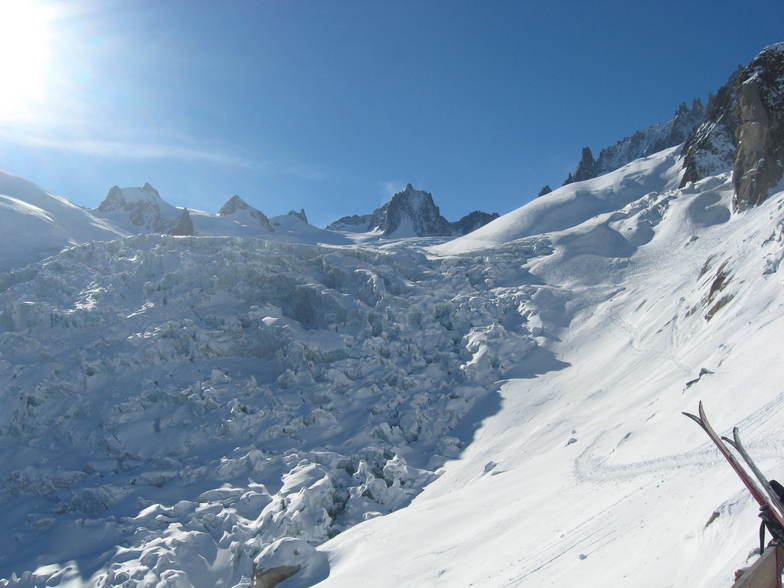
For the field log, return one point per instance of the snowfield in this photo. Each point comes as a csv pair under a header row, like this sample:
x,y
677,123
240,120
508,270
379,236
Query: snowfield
x,y
502,409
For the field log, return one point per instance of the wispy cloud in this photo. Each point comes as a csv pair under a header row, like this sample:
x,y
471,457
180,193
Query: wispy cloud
x,y
390,188
121,149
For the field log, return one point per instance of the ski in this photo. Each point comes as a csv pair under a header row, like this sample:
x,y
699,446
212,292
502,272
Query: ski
x,y
767,511
736,443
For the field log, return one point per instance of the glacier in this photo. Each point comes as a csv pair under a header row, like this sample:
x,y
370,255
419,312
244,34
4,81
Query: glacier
x,y
500,409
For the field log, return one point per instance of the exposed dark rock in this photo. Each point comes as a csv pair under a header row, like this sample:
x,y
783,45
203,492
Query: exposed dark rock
x,y
710,148
586,169
356,223
236,206
273,576
759,161
546,189
300,215
183,226
472,221
412,212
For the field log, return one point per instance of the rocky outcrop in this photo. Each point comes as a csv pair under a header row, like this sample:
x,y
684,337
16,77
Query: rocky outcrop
x,y
183,226
710,148
238,209
759,161
641,144
356,223
546,189
300,215
286,557
411,213
586,169
472,221
142,207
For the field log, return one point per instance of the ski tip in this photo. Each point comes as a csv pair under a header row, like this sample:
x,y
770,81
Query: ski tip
x,y
729,441
695,418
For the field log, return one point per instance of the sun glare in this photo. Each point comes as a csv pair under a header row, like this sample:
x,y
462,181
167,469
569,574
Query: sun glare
x,y
24,52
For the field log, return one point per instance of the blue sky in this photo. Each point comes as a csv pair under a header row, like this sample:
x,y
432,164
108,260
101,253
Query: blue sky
x,y
332,106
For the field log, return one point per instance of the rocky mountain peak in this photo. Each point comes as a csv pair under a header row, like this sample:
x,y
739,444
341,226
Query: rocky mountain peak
x,y
141,206
124,198
759,161
300,215
183,226
237,207
232,205
743,128
411,213
586,169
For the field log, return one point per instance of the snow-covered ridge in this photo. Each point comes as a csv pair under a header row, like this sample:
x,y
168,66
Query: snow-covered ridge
x,y
142,210
642,143
575,203
35,223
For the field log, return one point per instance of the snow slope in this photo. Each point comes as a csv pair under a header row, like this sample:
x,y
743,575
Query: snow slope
x,y
34,223
500,410
575,203
589,471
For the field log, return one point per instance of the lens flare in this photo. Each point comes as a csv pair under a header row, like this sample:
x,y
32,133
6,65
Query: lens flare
x,y
24,54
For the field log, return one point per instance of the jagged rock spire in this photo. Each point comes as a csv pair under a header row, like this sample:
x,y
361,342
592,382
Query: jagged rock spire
x,y
183,226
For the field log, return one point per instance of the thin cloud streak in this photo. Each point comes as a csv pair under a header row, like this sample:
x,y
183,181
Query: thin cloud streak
x,y
141,150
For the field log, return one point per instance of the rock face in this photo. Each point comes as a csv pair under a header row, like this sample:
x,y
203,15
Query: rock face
x,y
759,161
240,210
710,148
300,215
141,206
586,169
546,189
183,226
641,144
355,223
412,213
472,221
286,557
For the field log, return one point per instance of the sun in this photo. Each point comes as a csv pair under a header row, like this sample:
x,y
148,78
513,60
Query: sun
x,y
24,54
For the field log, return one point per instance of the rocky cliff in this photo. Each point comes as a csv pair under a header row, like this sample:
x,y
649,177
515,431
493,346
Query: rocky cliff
x,y
759,161
710,148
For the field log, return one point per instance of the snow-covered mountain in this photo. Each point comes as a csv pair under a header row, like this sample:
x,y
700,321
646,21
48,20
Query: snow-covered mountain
x,y
242,212
502,409
142,210
138,210
35,223
411,213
